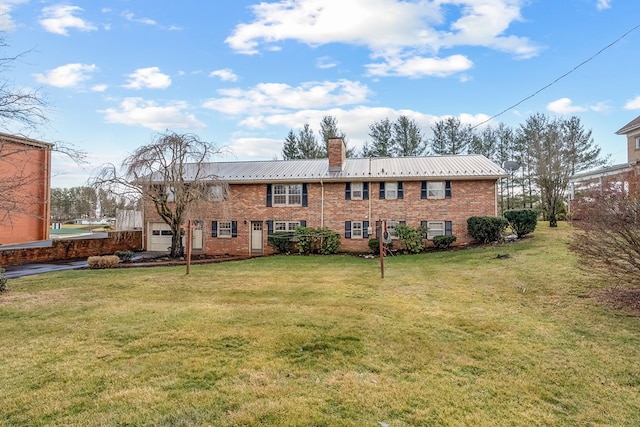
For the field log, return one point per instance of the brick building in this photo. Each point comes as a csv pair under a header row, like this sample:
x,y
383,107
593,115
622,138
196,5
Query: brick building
x,y
343,194
25,179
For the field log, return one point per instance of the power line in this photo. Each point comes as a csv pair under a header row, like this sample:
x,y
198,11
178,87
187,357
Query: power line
x,y
559,78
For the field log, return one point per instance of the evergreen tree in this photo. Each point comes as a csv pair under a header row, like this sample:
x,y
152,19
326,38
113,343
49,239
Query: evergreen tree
x,y
450,136
407,138
381,145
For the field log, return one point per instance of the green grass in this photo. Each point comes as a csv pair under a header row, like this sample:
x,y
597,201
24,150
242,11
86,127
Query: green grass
x,y
451,338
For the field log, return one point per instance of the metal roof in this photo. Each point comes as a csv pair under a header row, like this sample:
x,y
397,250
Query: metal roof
x,y
629,127
471,166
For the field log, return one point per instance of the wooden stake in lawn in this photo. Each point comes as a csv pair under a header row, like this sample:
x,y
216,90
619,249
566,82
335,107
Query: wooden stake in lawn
x,y
380,229
189,237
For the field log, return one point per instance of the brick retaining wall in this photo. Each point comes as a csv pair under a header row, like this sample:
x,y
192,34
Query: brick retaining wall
x,y
65,249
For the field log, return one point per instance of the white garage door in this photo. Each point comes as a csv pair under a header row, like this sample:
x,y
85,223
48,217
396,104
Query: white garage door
x,y
159,237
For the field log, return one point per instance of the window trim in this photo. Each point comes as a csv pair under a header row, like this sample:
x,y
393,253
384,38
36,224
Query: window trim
x,y
222,228
637,142
354,189
303,195
288,226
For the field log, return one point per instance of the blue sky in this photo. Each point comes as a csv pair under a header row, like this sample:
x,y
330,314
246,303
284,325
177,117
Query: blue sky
x,y
243,73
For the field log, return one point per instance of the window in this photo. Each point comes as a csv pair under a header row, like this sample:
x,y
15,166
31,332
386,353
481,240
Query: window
x,y
437,228
391,228
279,226
286,194
224,228
356,229
356,191
391,190
161,233
435,190
217,193
637,142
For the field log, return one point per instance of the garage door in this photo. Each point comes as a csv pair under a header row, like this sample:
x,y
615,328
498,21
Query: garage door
x,y
159,237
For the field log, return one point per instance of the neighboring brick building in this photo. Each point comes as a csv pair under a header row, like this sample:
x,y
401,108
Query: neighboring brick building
x,y
344,195
25,179
616,173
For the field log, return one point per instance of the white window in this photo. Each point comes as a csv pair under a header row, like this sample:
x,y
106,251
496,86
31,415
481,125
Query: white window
x,y
224,228
435,228
356,230
217,193
279,226
356,191
391,228
637,142
287,195
435,190
391,190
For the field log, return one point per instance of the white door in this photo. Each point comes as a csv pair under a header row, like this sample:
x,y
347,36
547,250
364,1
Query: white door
x,y
196,237
256,236
159,237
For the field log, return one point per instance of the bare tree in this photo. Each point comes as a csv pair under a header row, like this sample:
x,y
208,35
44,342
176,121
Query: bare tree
x,y
607,223
173,173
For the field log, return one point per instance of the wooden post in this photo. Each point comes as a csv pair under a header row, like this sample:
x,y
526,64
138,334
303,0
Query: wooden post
x,y
380,229
189,237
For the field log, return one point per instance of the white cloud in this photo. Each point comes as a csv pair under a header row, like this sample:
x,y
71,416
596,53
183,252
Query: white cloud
x,y
99,88
6,7
131,17
325,62
151,115
418,66
633,104
604,4
565,106
58,19
276,97
226,75
150,78
393,29
66,76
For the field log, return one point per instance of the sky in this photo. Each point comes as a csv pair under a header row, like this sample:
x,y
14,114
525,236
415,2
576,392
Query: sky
x,y
241,74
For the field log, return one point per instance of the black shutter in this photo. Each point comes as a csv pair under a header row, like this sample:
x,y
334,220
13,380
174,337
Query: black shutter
x,y
448,228
402,222
365,229
347,191
303,223
269,202
381,190
305,197
234,228
214,228
347,229
400,190
269,227
365,191
447,189
423,190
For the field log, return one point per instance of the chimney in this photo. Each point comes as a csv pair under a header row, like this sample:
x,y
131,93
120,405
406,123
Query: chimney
x,y
337,154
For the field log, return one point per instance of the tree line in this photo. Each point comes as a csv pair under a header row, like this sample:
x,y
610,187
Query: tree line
x,y
85,202
542,153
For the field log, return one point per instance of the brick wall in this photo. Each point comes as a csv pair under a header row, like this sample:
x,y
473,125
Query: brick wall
x,y
247,203
65,249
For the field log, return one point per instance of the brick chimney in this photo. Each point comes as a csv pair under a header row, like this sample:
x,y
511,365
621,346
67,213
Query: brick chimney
x,y
337,154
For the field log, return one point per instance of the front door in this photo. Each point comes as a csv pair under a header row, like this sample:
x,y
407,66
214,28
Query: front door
x,y
256,237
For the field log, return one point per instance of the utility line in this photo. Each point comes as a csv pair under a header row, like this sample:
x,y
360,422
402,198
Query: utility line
x,y
559,78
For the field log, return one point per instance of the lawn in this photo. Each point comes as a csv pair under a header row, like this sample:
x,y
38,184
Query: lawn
x,y
451,338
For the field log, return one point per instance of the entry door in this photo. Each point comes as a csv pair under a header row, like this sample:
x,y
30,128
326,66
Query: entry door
x,y
256,236
196,237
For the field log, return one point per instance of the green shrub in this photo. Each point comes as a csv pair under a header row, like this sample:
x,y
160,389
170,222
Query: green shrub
x,y
321,240
329,241
485,229
105,261
374,245
410,237
443,242
522,221
125,256
281,241
3,280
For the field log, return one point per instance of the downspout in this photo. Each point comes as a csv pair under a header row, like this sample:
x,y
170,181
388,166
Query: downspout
x,y
46,224
495,194
322,204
